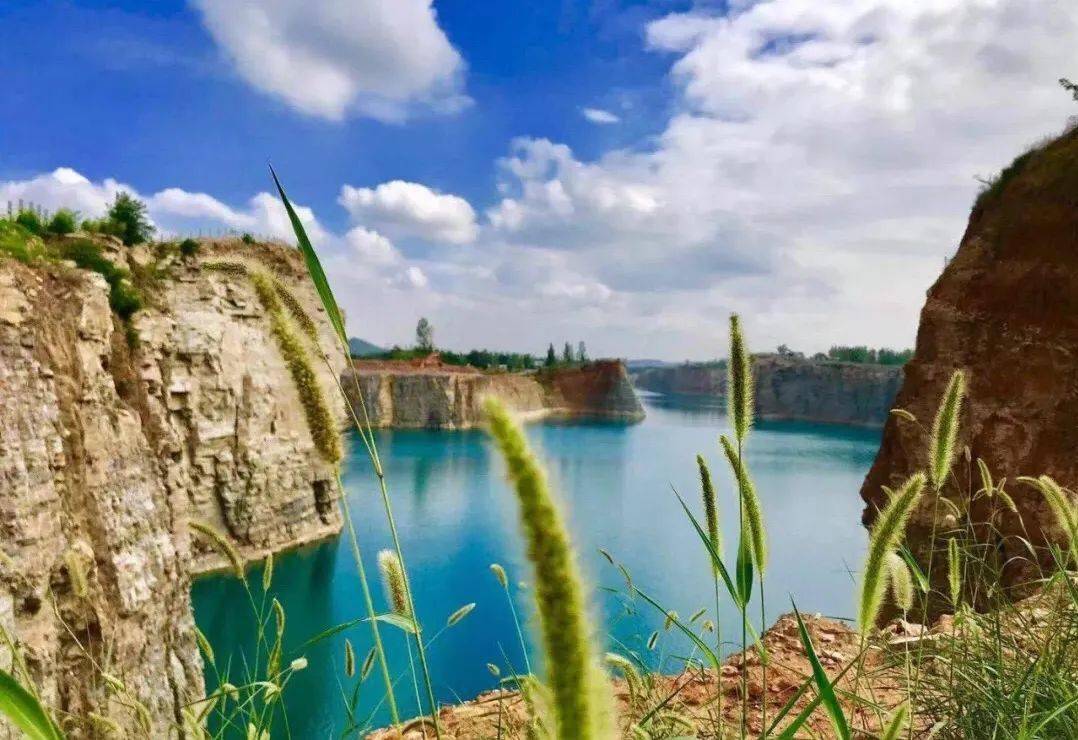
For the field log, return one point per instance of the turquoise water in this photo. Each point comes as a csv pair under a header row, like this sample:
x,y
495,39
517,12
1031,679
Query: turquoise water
x,y
456,516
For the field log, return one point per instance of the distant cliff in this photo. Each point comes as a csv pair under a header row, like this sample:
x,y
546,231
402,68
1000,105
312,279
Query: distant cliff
x,y
115,434
793,388
1005,310
403,394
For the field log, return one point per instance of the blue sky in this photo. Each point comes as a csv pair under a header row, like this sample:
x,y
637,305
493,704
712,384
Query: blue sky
x,y
625,173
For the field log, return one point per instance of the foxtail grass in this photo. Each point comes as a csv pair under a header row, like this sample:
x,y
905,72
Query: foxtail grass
x,y
886,534
714,533
336,318
739,382
581,697
945,430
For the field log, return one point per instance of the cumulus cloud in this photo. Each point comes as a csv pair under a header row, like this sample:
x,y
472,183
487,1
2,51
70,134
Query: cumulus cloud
x,y
600,116
329,58
818,165
412,209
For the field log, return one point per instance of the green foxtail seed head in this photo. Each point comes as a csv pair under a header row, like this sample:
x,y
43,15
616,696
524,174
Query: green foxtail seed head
x,y
349,659
320,420
885,537
945,430
267,573
632,676
581,696
954,570
393,582
221,544
739,388
1062,506
901,581
754,513
711,508
499,573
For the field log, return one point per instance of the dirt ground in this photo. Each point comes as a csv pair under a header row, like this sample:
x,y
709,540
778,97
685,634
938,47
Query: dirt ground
x,y
692,707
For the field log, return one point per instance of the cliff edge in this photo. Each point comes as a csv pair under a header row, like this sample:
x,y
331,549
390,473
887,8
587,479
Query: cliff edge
x,y
439,396
115,434
792,388
1005,310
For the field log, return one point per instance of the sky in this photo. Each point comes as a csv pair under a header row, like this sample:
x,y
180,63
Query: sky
x,y
621,173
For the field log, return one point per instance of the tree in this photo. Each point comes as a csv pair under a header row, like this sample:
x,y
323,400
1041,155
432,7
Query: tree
x,y
129,216
581,352
424,335
567,353
551,358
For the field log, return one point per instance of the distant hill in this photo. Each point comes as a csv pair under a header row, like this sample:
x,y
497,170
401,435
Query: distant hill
x,y
362,348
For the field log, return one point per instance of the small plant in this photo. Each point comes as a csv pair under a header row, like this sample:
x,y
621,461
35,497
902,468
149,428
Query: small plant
x,y
124,298
63,222
189,248
247,238
30,221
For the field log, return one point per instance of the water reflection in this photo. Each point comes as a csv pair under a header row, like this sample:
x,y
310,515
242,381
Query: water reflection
x,y
456,516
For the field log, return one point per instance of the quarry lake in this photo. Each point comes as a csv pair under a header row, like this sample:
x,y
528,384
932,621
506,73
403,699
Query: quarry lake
x,y
456,516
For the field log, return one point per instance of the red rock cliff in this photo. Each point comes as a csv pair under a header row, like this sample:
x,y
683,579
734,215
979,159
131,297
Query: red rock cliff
x,y
1005,309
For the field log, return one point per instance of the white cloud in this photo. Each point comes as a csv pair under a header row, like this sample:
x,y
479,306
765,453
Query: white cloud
x,y
372,247
412,209
817,165
597,115
329,58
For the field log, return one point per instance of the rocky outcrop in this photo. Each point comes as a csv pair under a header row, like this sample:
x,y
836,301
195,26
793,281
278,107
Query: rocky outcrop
x,y
1005,310
792,388
112,438
400,394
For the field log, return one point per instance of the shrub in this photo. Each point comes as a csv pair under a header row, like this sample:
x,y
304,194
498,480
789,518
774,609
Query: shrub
x,y
128,215
17,242
63,222
247,238
189,247
124,298
30,221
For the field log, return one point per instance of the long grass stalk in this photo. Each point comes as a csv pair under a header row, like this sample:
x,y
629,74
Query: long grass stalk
x,y
581,695
714,531
336,318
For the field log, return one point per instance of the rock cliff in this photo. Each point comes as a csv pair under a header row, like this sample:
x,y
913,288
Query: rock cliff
x,y
401,394
1005,310
113,437
792,388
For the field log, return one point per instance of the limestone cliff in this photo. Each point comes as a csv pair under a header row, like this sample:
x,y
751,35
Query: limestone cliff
x,y
1006,310
793,388
114,437
400,394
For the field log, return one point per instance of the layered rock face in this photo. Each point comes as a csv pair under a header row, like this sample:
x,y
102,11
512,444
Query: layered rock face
x,y
108,448
792,388
447,397
1005,310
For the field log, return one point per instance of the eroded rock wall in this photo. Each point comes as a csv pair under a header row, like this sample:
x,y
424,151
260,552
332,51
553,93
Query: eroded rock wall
x,y
1005,310
111,441
792,388
451,398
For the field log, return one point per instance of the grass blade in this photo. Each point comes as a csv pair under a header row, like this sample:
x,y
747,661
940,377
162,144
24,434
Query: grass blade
x,y
314,266
24,710
823,683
